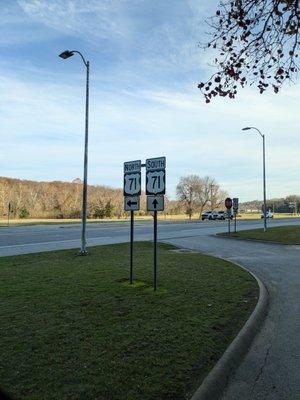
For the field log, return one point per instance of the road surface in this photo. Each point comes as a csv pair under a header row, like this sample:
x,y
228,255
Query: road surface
x,y
34,238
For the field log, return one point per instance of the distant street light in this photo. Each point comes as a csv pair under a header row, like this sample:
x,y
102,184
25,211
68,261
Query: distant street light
x,y
264,173
212,186
67,54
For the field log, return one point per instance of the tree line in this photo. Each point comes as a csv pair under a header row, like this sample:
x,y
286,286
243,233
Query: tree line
x,y
32,199
24,198
288,204
194,194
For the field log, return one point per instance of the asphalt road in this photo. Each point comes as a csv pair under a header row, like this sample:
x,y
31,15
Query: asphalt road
x,y
30,239
271,369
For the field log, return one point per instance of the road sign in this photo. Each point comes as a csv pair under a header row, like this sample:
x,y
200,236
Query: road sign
x,y
156,176
235,203
228,203
132,178
132,166
155,203
131,203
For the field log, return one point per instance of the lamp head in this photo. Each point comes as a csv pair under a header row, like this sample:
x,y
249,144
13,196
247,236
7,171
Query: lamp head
x,y
66,54
247,128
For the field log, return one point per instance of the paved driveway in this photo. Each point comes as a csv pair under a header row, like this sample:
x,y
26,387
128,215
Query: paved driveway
x,y
271,369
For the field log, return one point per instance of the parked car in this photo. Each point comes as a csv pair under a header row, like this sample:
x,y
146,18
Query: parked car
x,y
214,215
222,215
206,215
269,214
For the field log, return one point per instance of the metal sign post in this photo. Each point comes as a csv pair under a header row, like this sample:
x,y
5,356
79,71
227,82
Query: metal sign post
x,y
132,191
155,251
155,190
131,245
235,202
228,205
234,222
8,213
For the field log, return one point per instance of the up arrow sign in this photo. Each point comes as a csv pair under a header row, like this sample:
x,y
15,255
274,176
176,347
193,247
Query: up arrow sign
x,y
155,203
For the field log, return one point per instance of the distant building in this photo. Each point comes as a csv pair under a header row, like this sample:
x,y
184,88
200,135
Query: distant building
x,y
77,180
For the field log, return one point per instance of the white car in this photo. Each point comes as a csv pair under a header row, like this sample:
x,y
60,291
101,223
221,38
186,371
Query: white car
x,y
214,215
269,214
222,215
207,215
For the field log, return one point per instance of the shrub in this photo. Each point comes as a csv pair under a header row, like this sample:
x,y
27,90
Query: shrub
x,y
23,213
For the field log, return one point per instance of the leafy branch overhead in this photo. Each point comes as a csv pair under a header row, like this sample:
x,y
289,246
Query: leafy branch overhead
x,y
257,42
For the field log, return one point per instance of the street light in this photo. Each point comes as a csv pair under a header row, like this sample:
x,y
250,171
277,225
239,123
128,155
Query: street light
x,y
212,186
247,128
64,55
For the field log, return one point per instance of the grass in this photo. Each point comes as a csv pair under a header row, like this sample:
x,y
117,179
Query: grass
x,y
279,234
161,216
74,328
59,221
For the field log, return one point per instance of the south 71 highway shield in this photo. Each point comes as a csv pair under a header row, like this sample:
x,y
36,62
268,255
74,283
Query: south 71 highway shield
x,y
155,182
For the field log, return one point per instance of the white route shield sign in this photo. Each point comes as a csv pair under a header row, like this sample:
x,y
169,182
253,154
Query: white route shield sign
x,y
132,184
155,182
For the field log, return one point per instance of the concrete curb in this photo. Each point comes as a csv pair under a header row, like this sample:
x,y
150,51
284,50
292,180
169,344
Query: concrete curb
x,y
214,384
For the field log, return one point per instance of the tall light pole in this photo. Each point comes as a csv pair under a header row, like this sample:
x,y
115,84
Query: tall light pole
x,y
67,54
212,186
264,173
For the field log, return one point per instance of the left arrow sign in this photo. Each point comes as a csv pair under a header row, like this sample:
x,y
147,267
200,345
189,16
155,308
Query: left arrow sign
x,y
131,203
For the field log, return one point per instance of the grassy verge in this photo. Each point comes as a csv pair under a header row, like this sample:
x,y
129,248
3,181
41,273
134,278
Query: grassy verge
x,y
73,327
258,215
49,221
163,217
279,234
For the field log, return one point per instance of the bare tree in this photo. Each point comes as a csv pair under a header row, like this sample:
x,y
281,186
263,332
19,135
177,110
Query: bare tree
x,y
195,192
187,192
257,41
204,195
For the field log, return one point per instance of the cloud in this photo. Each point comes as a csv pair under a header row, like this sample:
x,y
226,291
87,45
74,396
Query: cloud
x,y
78,17
45,121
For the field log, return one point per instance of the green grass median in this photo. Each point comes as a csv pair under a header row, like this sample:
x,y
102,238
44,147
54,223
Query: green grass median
x,y
74,328
279,234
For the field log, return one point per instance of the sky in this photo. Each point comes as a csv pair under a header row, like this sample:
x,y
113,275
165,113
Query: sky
x,y
144,102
